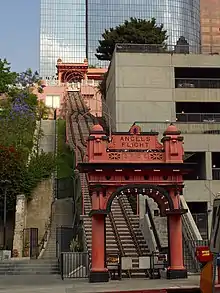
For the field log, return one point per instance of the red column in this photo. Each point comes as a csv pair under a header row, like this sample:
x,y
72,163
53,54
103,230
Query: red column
x,y
98,271
176,269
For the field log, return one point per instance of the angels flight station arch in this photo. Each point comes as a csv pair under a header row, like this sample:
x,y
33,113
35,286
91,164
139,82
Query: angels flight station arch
x,y
135,163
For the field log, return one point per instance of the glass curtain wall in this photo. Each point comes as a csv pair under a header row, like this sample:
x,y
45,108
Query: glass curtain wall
x,y
62,33
180,18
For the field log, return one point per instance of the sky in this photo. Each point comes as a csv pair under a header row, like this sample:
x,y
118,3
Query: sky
x,y
19,31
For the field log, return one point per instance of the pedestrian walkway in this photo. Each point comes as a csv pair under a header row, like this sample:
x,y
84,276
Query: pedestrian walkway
x,y
53,284
134,285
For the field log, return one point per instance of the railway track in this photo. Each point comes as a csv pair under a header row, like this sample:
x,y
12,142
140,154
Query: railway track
x,y
121,236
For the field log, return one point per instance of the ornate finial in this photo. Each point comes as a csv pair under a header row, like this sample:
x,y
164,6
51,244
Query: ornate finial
x,y
97,128
135,129
172,129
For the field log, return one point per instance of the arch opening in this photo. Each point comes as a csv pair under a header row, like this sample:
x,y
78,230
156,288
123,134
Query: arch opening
x,y
72,76
159,195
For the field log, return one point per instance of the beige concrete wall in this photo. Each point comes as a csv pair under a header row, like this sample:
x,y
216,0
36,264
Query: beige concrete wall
x,y
163,60
196,95
39,208
145,86
145,92
144,89
109,105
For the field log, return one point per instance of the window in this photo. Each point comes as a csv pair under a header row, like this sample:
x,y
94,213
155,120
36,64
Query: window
x,y
216,166
53,101
204,112
197,161
197,77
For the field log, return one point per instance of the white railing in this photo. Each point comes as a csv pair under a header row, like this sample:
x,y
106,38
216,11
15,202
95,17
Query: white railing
x,y
189,221
84,82
191,232
148,234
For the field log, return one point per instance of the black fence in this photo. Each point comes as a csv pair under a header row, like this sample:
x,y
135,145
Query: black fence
x,y
69,239
201,220
189,248
74,265
65,187
178,48
30,243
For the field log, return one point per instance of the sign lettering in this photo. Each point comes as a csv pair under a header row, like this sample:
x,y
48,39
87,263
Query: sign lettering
x,y
134,142
205,253
138,142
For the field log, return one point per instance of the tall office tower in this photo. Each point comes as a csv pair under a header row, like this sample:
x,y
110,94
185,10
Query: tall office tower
x,y
180,18
62,33
210,26
70,29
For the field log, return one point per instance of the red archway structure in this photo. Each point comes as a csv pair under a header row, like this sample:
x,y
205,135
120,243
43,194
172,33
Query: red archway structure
x,y
135,163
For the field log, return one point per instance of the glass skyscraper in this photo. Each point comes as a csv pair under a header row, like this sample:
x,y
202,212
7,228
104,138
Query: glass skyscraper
x,y
180,18
70,29
62,33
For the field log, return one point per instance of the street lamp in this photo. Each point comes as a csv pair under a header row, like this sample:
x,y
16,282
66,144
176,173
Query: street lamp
x,y
5,183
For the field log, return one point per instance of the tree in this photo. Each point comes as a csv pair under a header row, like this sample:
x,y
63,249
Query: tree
x,y
7,78
102,85
28,79
133,31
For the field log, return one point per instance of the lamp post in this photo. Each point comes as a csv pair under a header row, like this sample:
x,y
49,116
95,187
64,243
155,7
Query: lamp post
x,y
4,183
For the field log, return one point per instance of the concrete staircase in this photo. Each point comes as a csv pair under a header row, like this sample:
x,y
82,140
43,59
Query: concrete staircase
x,y
48,140
62,216
29,267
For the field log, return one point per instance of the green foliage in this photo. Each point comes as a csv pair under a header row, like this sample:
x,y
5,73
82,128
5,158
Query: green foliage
x,y
65,156
12,169
133,31
92,66
39,168
43,111
18,122
7,78
76,245
102,86
21,161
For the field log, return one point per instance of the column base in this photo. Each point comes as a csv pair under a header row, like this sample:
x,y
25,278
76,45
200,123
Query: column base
x,y
176,274
98,277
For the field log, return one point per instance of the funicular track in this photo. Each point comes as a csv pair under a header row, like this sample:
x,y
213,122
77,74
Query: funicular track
x,y
121,235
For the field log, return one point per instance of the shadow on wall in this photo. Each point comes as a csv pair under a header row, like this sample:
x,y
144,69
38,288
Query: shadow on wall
x,y
39,208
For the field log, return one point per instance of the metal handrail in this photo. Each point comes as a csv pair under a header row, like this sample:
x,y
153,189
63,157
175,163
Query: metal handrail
x,y
81,157
46,236
193,78
133,236
167,48
190,244
117,238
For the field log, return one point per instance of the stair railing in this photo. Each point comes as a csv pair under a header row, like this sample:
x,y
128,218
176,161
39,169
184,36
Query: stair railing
x,y
191,234
190,243
129,225
118,240
188,220
157,239
44,241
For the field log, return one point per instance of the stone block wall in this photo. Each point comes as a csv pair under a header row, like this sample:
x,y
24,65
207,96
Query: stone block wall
x,y
33,214
39,208
19,224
